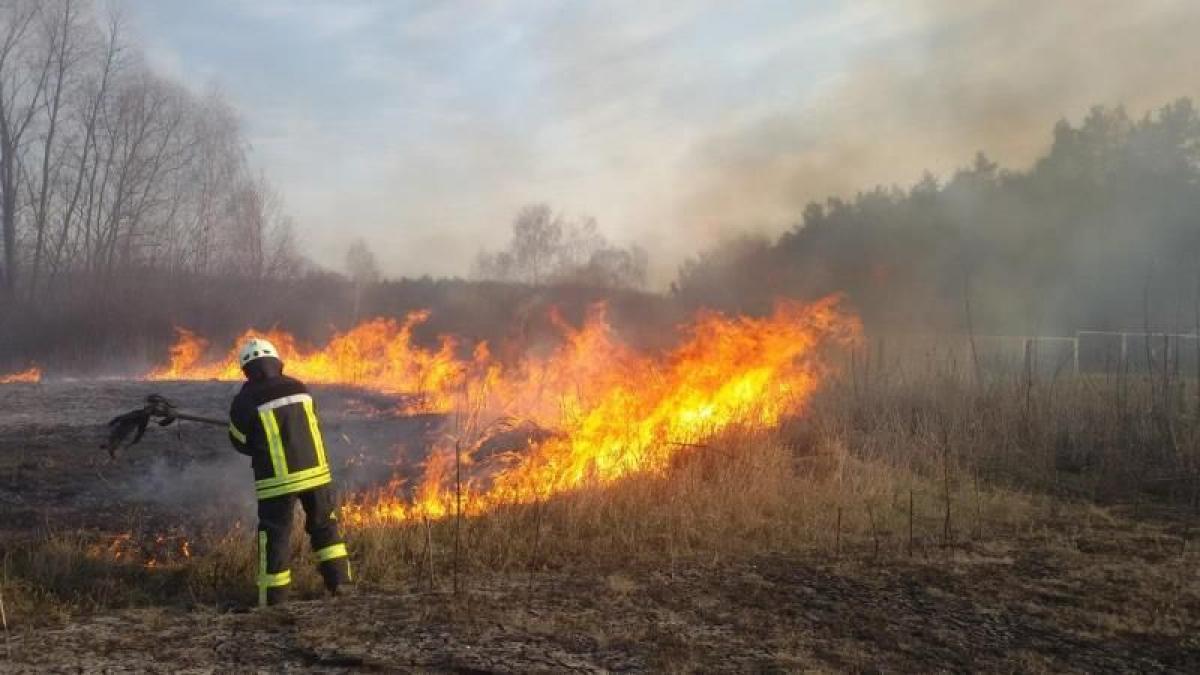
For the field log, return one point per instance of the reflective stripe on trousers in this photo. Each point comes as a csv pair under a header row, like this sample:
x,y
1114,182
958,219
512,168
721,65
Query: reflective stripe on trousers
x,y
266,579
331,552
336,554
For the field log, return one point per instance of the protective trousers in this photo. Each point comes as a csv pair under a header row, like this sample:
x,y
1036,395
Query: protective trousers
x,y
274,534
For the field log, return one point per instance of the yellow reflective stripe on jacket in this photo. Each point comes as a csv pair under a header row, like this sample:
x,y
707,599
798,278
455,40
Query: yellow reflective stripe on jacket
x,y
283,481
274,442
295,486
284,400
291,478
318,443
332,552
237,433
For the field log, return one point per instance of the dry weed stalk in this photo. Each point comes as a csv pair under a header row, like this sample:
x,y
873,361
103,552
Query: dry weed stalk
x,y
429,552
874,532
4,620
533,558
837,534
457,509
910,523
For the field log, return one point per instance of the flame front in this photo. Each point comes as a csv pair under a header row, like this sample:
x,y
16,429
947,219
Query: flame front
x,y
378,354
31,375
596,410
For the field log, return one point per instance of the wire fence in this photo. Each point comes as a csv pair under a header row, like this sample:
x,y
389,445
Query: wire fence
x,y
1087,352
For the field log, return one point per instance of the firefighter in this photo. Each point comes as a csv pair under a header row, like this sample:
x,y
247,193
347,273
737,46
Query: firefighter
x,y
273,421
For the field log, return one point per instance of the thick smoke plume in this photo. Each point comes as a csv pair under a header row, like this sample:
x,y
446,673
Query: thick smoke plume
x,y
935,81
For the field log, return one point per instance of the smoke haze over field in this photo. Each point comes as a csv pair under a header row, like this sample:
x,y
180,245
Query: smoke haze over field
x,y
425,127
940,80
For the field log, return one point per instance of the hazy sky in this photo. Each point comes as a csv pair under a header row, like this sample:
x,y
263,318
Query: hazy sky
x,y
424,126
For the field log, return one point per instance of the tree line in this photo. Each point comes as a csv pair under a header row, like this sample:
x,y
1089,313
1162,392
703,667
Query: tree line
x,y
549,248
128,206
1102,231
111,173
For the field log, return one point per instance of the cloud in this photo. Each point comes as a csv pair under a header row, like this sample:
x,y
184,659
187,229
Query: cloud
x,y
322,19
423,127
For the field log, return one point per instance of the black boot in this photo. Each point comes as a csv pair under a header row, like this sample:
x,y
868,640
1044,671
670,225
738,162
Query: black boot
x,y
336,574
277,595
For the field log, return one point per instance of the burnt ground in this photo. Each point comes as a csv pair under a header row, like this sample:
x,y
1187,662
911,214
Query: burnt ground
x,y
1019,607
1119,593
54,476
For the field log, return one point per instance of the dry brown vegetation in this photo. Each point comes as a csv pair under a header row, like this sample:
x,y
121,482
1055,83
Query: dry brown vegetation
x,y
920,519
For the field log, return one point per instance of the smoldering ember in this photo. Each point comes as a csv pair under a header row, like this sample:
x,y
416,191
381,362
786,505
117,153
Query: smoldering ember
x,y
540,337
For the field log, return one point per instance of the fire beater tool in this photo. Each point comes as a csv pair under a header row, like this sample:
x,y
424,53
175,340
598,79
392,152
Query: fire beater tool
x,y
156,407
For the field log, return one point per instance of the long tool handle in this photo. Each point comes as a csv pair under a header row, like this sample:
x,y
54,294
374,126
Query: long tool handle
x,y
204,420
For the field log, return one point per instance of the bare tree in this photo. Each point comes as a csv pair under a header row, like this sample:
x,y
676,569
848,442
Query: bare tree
x,y
536,237
90,92
283,254
110,171
60,34
363,270
547,248
23,76
580,241
361,265
260,240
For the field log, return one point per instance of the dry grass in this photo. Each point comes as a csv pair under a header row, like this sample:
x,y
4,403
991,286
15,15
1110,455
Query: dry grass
x,y
881,466
743,494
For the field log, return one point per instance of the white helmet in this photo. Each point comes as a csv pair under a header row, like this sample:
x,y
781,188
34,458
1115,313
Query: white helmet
x,y
256,348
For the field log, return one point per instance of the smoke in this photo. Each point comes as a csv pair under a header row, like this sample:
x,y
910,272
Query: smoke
x,y
675,125
195,471
217,485
935,81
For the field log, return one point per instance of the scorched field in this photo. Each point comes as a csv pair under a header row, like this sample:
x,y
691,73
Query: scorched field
x,y
766,494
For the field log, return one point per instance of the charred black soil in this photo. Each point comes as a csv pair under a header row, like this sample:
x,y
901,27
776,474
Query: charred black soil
x,y
1079,588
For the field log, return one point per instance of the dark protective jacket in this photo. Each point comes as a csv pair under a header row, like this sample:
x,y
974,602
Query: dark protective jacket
x,y
272,420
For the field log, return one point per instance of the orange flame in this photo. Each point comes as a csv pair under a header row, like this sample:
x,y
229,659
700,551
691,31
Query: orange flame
x,y
616,412
159,551
30,375
378,354
603,409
